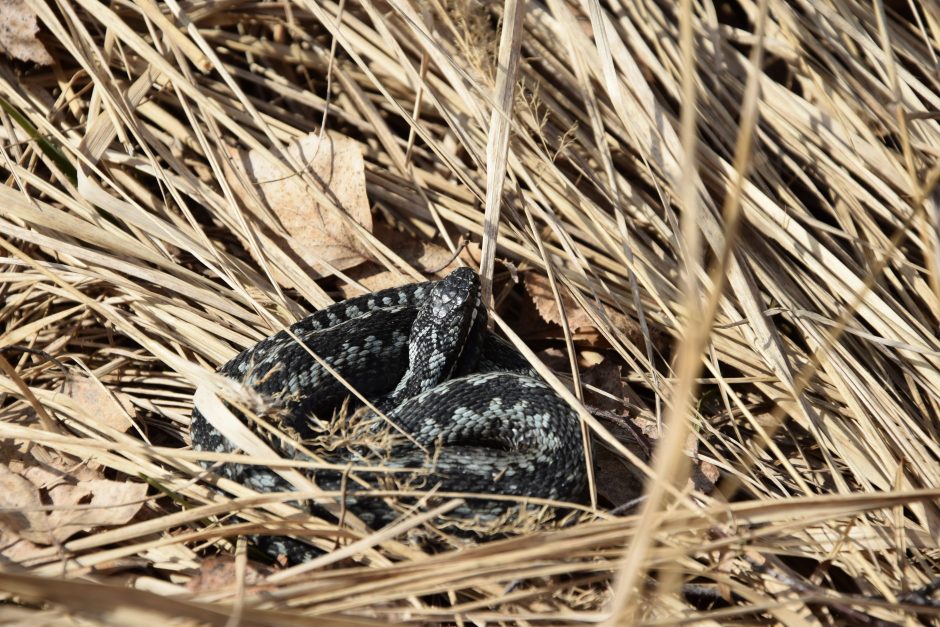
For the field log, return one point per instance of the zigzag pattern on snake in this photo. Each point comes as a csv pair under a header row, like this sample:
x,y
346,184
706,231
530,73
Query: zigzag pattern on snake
x,y
479,419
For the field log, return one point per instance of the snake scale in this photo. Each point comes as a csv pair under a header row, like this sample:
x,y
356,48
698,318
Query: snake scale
x,y
476,418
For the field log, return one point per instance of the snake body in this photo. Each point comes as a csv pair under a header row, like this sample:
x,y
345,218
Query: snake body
x,y
477,419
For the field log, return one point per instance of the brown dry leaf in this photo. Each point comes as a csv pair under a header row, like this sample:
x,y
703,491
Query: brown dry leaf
x,y
112,409
21,515
316,232
589,358
110,503
50,468
704,474
647,426
11,454
218,573
556,359
18,30
582,327
605,376
16,549
616,481
75,506
540,291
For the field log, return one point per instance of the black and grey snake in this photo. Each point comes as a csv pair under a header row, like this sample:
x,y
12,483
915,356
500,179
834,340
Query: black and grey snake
x,y
479,419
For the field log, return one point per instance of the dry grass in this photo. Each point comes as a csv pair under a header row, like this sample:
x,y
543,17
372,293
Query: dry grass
x,y
771,239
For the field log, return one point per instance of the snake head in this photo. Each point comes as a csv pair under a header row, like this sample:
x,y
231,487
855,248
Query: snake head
x,y
454,295
446,335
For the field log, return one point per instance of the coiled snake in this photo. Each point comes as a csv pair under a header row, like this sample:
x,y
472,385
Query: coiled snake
x,y
478,419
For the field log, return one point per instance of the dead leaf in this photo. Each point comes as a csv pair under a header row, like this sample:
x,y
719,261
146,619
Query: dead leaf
x,y
21,505
605,376
112,409
218,573
555,358
46,468
18,30
617,481
540,291
45,508
14,549
648,427
315,232
704,474
581,324
111,503
590,359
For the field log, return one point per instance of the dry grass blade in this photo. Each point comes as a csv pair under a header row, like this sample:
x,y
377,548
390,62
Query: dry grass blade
x,y
724,217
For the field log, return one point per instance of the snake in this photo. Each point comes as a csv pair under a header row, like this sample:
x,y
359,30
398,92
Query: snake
x,y
459,404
